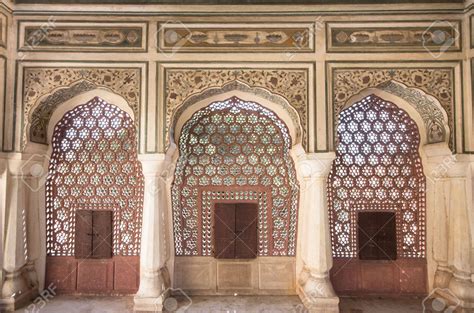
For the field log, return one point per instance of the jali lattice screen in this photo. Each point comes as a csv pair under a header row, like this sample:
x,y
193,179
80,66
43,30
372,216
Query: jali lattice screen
x,y
94,166
377,168
235,150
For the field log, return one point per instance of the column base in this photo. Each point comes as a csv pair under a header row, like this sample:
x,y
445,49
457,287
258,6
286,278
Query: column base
x,y
317,293
17,291
152,304
458,295
153,292
319,305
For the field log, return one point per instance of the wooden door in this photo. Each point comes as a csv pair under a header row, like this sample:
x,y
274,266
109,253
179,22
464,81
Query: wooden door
x,y
224,231
246,215
377,236
235,230
93,234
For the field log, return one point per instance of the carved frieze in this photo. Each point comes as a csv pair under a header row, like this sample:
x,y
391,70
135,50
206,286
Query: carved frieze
x,y
46,88
292,84
437,82
178,37
52,35
435,37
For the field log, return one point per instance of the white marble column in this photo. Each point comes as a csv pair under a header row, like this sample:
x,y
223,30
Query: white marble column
x,y
314,286
17,289
449,193
461,224
440,159
154,275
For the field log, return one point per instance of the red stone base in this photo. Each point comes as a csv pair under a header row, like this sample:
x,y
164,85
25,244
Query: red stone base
x,y
119,275
353,277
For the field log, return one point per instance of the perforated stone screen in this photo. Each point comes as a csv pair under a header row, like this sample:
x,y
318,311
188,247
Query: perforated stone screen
x,y
225,149
377,168
94,166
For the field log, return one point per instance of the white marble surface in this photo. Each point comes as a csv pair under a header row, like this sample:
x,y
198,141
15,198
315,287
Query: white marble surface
x,y
237,304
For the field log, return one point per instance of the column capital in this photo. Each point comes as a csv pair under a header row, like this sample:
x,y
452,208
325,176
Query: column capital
x,y
313,165
152,164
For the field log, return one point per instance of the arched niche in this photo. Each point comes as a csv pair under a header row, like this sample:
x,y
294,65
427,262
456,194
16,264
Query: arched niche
x,y
408,99
274,103
41,154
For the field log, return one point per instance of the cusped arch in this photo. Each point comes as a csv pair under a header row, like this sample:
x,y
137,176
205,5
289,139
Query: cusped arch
x,y
41,118
238,89
235,149
424,109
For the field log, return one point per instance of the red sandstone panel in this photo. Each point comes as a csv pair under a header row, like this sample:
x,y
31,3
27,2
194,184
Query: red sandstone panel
x,y
61,271
413,275
345,275
126,274
95,276
379,277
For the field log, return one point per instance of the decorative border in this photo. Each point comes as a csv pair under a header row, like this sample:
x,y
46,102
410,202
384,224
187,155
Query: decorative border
x,y
347,79
403,36
180,83
180,37
50,35
432,113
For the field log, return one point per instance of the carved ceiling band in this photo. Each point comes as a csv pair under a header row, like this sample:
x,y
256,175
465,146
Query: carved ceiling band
x,y
239,86
291,84
437,82
431,112
45,89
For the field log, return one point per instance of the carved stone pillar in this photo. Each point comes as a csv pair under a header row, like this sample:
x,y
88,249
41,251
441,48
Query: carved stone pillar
x,y
440,159
314,286
17,289
450,189
154,275
461,222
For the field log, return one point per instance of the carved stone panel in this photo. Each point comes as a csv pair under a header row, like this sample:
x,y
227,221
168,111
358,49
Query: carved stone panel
x,y
65,36
438,82
52,86
435,37
292,84
214,37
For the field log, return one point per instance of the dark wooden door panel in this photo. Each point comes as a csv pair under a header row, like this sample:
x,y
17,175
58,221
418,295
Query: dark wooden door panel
x,y
102,238
246,217
83,240
224,231
377,236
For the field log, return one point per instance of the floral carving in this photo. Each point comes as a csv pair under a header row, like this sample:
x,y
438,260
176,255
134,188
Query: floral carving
x,y
437,82
57,85
292,84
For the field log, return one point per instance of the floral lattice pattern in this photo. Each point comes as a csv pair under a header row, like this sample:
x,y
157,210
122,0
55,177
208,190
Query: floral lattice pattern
x,y
377,168
94,166
235,145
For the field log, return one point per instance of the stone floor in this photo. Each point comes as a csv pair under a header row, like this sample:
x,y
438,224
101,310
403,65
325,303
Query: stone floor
x,y
237,304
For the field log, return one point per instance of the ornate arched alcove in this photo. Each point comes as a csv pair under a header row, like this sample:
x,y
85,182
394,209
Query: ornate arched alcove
x,y
235,145
384,141
88,151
